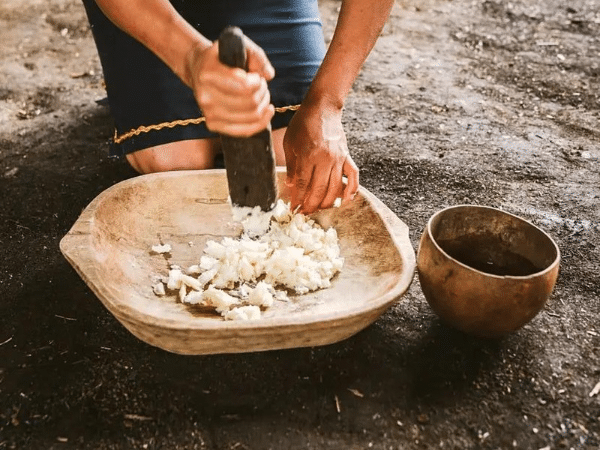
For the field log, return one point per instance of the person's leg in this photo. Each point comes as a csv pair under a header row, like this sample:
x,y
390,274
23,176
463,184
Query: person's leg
x,y
277,136
158,125
195,154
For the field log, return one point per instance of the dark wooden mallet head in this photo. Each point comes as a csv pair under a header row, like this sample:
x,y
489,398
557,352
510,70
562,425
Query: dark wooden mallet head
x,y
249,162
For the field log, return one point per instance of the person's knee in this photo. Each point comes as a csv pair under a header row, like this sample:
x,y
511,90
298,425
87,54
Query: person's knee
x,y
183,155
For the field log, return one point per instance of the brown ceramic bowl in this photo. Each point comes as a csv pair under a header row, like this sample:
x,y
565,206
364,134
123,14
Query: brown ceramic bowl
x,y
484,271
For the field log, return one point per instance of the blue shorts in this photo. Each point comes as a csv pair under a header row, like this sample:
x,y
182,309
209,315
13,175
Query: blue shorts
x,y
151,105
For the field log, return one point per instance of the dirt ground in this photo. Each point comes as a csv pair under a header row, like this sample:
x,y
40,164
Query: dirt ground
x,y
489,102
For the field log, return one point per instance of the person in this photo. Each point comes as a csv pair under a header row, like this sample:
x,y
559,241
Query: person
x,y
171,97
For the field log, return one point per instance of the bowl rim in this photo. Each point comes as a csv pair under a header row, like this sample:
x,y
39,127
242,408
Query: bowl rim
x,y
550,267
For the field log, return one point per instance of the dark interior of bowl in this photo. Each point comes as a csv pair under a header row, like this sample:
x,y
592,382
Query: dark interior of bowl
x,y
492,241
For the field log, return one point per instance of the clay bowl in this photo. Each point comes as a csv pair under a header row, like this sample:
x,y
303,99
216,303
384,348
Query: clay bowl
x,y
110,245
484,271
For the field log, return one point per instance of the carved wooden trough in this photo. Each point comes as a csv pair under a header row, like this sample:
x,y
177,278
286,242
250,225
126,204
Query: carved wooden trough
x,y
110,247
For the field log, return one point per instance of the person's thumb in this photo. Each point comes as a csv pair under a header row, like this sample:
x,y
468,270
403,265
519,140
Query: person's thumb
x,y
258,61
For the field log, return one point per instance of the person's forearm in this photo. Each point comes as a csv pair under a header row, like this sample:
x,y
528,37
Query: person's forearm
x,y
158,26
359,25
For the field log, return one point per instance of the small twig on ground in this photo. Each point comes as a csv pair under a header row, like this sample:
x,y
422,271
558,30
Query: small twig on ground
x,y
596,389
356,392
63,317
238,445
337,404
6,341
18,224
136,417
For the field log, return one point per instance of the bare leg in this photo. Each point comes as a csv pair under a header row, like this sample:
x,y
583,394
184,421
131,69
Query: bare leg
x,y
277,136
182,155
197,154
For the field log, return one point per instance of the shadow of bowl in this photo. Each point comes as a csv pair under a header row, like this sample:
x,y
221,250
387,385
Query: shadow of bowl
x,y
484,271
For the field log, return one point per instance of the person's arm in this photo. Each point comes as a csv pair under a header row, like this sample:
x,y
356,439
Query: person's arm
x,y
315,144
233,101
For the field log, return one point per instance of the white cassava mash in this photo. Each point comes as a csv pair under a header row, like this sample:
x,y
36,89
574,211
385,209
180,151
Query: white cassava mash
x,y
277,251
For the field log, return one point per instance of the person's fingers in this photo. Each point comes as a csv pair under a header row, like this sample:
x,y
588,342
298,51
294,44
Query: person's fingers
x,y
207,70
290,178
336,186
237,115
351,171
231,81
317,190
302,179
235,108
290,167
241,128
258,61
233,101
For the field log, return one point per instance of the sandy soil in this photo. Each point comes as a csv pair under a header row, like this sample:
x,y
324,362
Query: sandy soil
x,y
464,101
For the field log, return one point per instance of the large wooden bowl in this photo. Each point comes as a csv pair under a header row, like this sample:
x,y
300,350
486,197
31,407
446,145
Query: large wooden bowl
x,y
109,246
485,271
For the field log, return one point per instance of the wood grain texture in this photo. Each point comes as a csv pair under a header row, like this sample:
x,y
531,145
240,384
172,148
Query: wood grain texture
x,y
110,247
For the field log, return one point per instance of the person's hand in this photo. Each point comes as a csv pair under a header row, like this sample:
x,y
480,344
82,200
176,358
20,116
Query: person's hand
x,y
233,101
317,159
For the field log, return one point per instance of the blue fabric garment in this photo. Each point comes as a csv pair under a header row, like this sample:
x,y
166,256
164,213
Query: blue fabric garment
x,y
143,91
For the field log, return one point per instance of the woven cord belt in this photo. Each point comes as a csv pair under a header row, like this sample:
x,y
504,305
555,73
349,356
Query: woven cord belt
x,y
179,123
